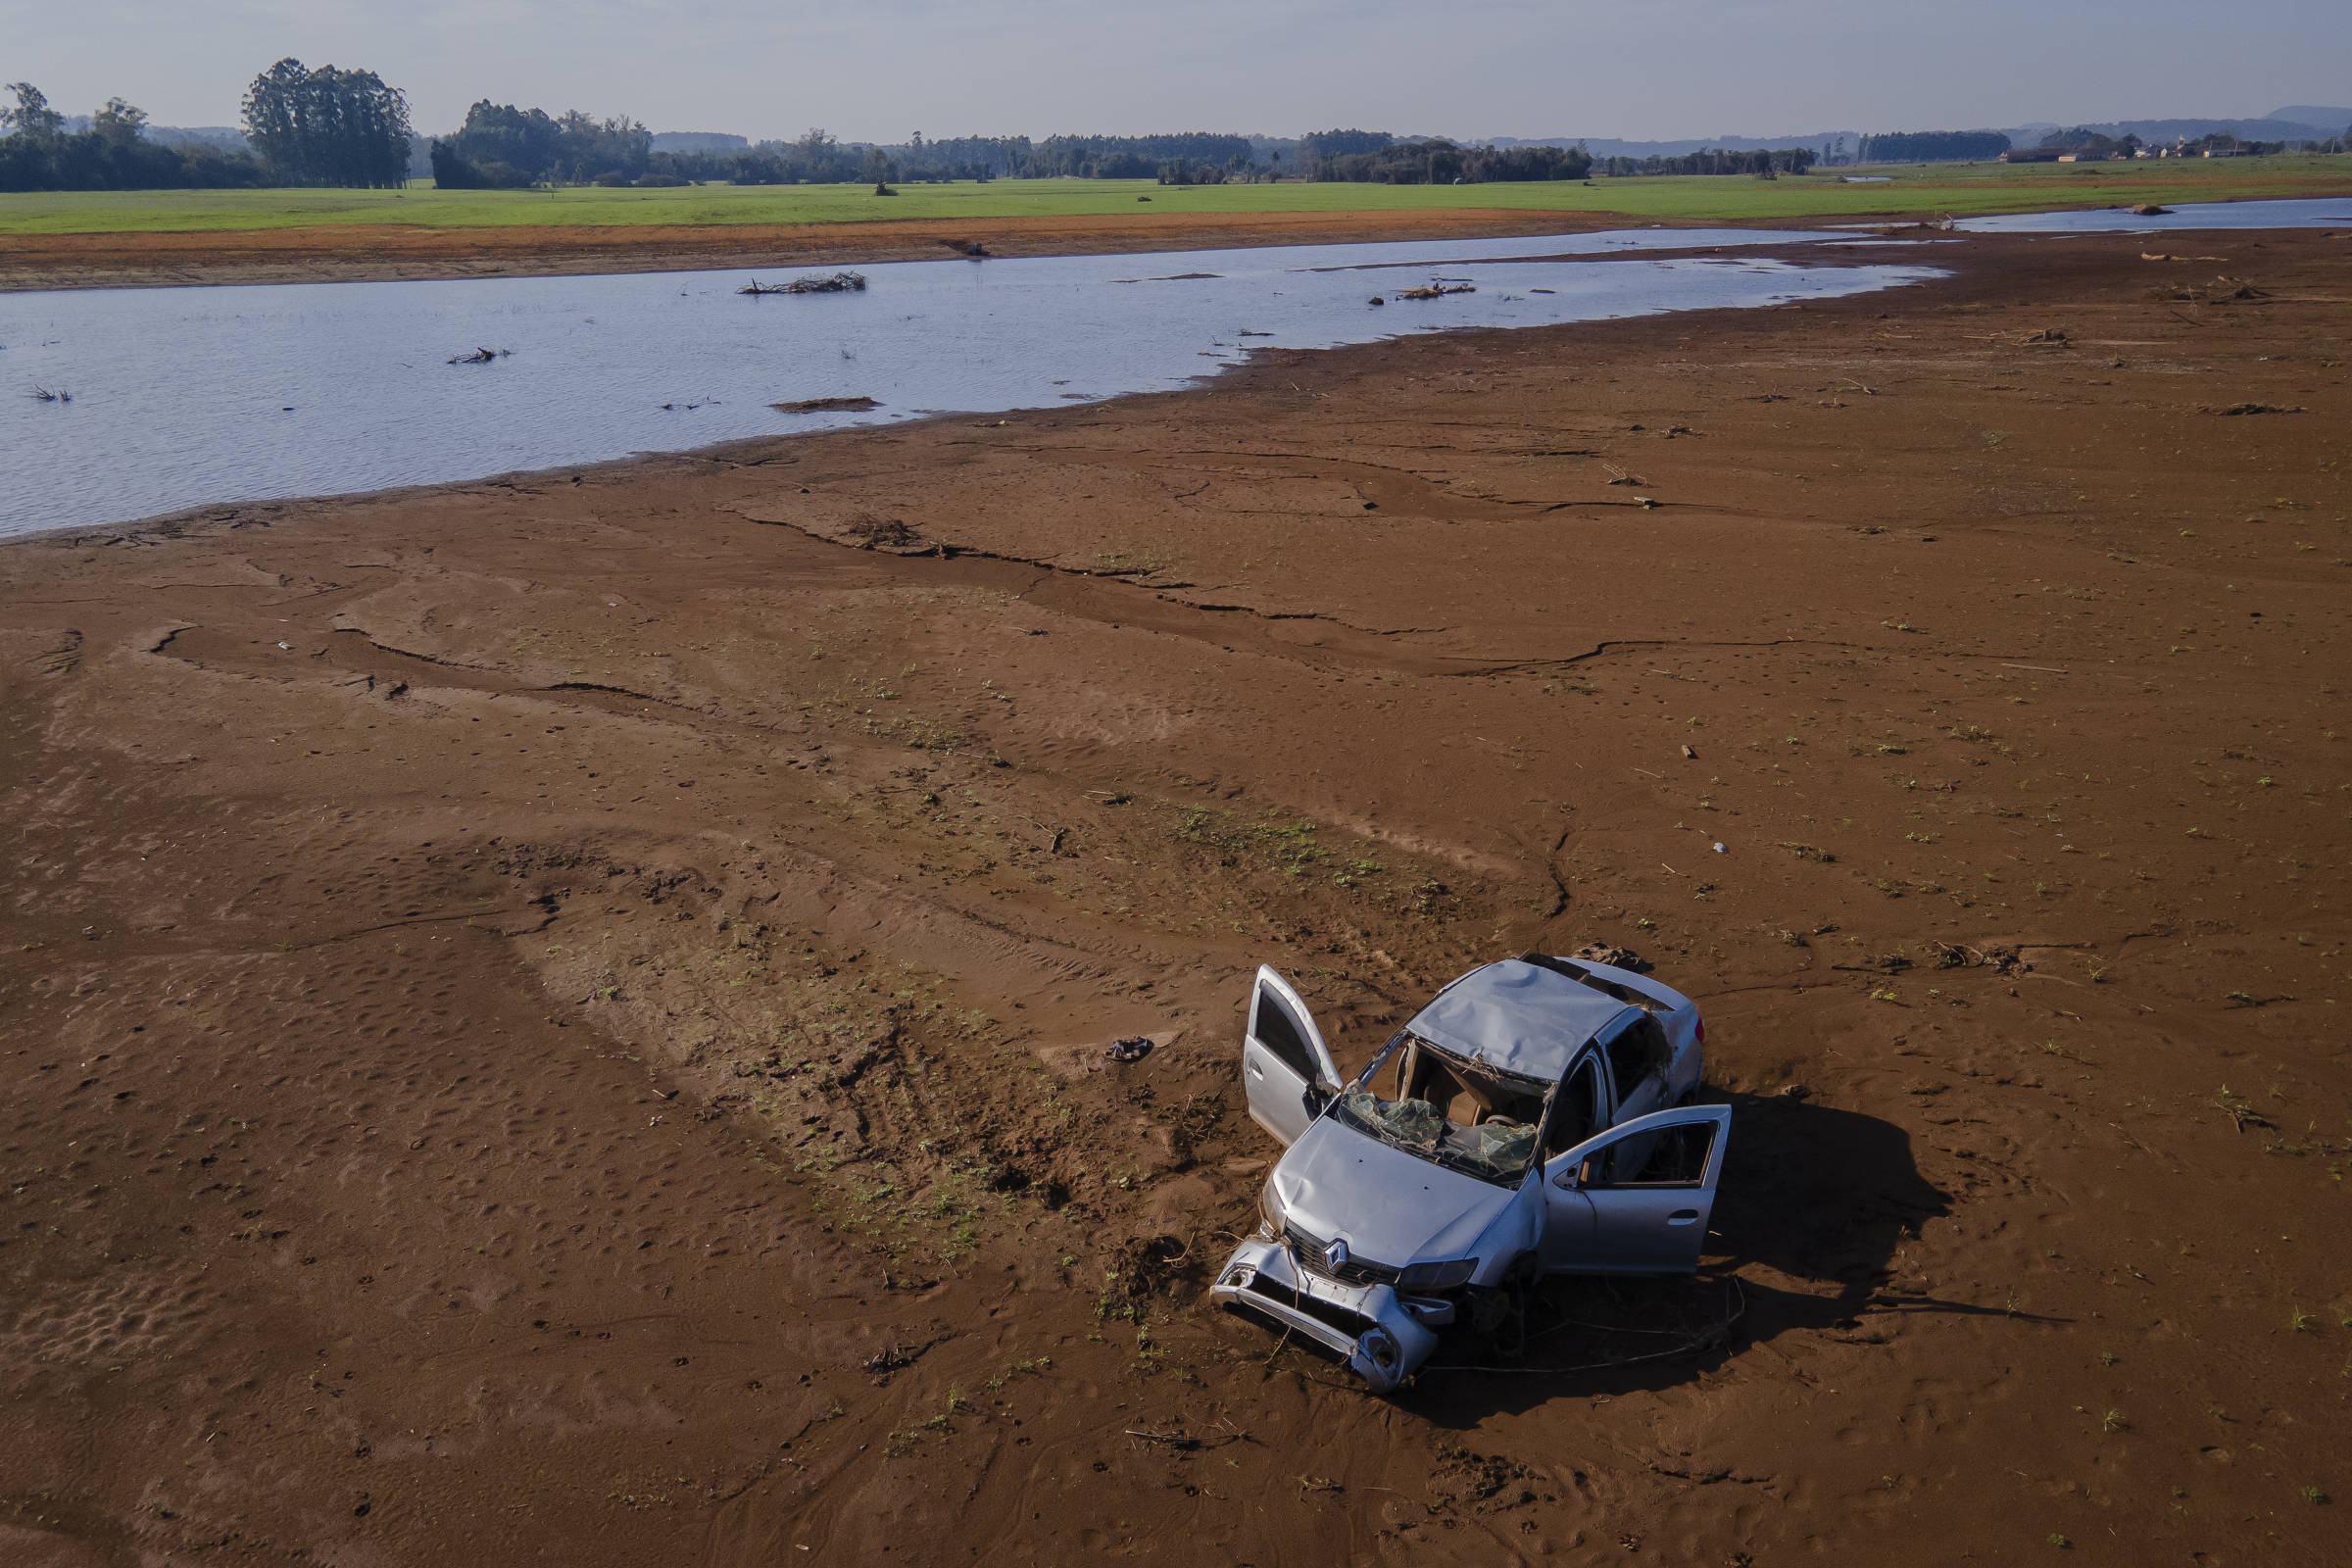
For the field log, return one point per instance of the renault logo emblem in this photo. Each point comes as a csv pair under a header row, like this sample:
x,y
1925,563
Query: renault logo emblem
x,y
1335,1254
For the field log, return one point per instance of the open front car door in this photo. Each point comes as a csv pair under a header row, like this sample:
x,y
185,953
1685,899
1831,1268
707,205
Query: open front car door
x,y
1603,1216
1287,1072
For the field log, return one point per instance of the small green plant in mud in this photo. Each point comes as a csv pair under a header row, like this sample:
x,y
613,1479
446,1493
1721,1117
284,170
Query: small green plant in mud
x,y
2238,1110
1036,1367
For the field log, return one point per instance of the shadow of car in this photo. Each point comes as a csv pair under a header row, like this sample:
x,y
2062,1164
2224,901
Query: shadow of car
x,y
1813,1204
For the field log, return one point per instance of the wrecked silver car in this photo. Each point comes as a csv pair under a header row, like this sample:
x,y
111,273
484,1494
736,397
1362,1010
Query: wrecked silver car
x,y
1530,1120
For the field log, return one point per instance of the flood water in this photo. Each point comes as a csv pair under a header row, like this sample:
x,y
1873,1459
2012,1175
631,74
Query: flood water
x,y
2324,212
185,397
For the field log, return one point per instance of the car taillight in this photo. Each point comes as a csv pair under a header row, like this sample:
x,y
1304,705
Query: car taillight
x,y
1699,1027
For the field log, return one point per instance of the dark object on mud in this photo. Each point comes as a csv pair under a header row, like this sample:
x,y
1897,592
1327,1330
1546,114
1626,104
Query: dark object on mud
x,y
2223,290
825,404
2048,334
890,1357
1434,290
2150,209
1377,300
1182,1443
1615,957
2251,408
838,283
481,355
891,536
1953,956
1133,1049
41,394
966,247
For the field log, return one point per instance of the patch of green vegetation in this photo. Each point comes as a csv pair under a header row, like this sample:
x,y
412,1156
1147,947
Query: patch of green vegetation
x,y
1286,845
1960,189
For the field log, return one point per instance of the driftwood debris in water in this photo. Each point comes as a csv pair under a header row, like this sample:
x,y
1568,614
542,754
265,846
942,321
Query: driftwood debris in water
x,y
838,283
825,404
480,356
1434,290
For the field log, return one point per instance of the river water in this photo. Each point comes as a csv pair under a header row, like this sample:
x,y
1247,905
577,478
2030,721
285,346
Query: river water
x,y
2299,213
188,397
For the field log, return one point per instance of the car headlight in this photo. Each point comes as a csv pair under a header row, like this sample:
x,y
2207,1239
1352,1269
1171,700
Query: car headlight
x,y
1437,1276
1269,1212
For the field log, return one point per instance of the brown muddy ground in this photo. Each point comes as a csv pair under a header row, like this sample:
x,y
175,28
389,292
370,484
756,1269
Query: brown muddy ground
x,y
561,1019
339,253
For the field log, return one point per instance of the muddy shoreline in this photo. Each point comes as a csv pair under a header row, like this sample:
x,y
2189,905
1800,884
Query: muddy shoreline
x,y
363,253
566,1013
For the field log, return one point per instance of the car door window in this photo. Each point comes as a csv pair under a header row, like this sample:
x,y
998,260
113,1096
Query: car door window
x,y
1274,1029
1576,1115
1637,1052
1677,1156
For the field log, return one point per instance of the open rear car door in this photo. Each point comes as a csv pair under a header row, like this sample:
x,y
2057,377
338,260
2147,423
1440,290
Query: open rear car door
x,y
1286,1072
1603,1219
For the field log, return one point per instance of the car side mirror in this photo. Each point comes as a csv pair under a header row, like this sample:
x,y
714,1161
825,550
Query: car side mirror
x,y
1565,1179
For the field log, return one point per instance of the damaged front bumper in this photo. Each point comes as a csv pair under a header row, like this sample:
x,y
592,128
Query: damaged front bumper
x,y
1382,1336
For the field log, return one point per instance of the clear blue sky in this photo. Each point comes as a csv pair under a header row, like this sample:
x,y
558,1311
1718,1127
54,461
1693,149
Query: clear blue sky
x,y
877,70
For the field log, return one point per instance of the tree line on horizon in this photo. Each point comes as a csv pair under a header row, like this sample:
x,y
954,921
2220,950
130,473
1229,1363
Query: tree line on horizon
x,y
1933,147
39,153
2083,142
1765,161
337,128
504,147
303,126
1374,157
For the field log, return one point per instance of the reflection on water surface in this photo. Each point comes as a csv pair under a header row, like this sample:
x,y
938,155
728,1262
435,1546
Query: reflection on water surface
x,y
184,397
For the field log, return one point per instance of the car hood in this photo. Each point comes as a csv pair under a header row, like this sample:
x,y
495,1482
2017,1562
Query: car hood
x,y
1389,1205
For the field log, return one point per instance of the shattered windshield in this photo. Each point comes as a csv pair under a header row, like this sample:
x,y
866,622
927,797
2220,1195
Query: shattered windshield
x,y
1486,1142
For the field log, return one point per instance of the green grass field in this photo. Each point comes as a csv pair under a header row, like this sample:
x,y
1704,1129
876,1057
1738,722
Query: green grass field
x,y
1962,188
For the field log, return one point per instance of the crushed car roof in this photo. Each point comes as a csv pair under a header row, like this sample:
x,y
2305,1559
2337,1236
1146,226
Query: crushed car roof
x,y
1516,1017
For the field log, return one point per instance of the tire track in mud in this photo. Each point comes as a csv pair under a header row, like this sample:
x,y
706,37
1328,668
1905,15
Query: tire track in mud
x,y
857,892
